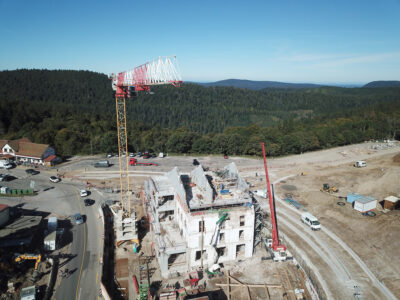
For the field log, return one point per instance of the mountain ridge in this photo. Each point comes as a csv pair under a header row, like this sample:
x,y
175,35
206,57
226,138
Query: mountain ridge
x,y
382,84
259,85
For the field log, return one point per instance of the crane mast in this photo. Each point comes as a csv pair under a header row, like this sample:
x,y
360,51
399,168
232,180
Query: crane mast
x,y
163,70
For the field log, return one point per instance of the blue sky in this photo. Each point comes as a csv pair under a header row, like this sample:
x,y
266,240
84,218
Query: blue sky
x,y
317,41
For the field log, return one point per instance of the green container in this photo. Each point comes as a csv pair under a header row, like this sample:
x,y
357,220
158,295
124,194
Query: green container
x,y
14,192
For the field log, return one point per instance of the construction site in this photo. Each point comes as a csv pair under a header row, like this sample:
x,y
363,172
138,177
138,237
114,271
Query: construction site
x,y
319,225
217,242
214,227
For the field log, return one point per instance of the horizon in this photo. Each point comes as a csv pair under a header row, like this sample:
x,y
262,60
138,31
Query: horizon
x,y
308,42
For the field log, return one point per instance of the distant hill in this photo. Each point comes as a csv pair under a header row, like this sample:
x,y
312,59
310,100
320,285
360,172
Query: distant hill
x,y
259,85
382,84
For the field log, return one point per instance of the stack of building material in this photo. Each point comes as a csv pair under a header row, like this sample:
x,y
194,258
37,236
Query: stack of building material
x,y
391,202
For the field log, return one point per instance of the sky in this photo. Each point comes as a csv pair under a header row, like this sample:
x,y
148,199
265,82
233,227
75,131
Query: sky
x,y
313,41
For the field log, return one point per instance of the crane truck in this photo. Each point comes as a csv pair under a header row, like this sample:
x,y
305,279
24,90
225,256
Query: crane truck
x,y
134,162
277,250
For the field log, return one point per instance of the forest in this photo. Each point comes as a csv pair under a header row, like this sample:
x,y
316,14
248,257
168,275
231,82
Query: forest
x,y
74,111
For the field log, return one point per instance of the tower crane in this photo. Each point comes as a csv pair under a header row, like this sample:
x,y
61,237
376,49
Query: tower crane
x,y
162,70
279,250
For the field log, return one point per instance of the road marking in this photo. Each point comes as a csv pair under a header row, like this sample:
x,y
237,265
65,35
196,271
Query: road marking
x,y
97,277
84,249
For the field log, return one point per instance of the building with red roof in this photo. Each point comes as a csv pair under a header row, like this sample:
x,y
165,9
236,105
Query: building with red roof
x,y
23,151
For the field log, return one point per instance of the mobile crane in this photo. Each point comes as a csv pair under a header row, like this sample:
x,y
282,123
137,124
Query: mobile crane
x,y
278,250
163,70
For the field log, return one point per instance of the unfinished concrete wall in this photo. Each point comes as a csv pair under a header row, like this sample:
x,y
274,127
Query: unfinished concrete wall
x,y
176,183
199,178
236,232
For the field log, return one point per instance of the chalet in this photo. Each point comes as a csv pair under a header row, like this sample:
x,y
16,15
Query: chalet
x,y
23,151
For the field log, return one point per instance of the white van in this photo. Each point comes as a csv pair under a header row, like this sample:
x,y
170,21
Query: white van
x,y
360,164
310,220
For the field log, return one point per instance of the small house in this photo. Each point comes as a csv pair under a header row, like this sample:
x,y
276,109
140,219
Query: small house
x,y
391,203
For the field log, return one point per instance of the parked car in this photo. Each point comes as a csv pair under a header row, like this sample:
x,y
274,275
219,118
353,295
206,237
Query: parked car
x,y
78,219
4,177
32,171
88,202
109,155
139,154
83,193
54,179
153,155
131,154
4,164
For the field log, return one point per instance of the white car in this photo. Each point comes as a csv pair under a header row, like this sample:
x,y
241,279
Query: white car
x,y
83,193
54,179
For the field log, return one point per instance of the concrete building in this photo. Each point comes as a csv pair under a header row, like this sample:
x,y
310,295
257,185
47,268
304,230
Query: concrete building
x,y
199,219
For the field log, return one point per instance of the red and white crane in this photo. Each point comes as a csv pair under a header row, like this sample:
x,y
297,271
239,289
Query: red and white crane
x,y
162,70
278,249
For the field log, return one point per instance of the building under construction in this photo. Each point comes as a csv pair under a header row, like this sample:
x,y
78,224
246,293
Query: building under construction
x,y
199,219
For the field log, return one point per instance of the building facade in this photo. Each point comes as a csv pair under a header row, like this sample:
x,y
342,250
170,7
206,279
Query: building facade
x,y
23,151
200,219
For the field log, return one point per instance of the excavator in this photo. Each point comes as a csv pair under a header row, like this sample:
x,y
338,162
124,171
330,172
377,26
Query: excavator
x,y
27,256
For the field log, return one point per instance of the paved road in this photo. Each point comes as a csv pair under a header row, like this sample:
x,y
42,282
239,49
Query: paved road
x,y
84,282
63,200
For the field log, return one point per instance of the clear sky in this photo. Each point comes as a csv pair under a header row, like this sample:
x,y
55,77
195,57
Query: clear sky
x,y
318,41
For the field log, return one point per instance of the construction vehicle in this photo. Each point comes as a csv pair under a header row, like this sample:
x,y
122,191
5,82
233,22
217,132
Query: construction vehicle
x,y
277,249
329,189
20,257
163,70
134,162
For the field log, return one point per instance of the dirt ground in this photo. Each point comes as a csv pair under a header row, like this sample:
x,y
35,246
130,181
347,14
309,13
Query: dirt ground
x,y
375,240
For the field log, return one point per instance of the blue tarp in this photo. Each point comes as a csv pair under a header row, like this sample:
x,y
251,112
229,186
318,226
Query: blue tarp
x,y
353,197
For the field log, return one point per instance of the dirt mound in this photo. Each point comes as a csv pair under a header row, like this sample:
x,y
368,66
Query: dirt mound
x,y
396,159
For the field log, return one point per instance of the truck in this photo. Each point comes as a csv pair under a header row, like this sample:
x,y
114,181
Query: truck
x,y
4,164
134,162
102,164
310,220
261,193
50,241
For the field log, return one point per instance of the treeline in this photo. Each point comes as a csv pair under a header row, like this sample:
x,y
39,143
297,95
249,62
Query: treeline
x,y
75,112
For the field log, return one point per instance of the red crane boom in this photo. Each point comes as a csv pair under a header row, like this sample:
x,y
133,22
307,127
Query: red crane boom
x,y
276,246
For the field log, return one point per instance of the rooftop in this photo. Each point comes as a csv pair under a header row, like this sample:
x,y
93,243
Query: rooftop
x,y
3,206
19,225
